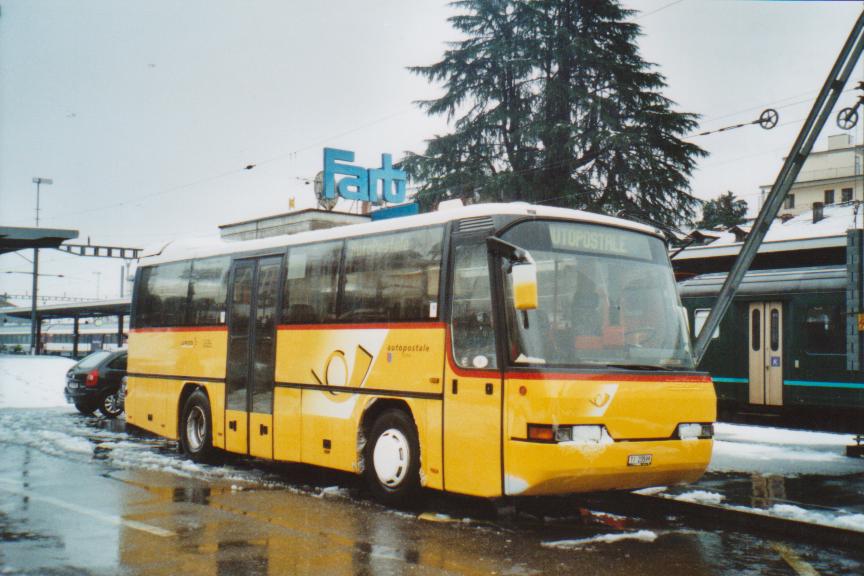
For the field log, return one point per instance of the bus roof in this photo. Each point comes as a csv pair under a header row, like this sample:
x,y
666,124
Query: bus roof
x,y
185,249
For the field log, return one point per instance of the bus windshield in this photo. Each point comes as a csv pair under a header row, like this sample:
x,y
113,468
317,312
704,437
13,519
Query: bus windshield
x,y
607,298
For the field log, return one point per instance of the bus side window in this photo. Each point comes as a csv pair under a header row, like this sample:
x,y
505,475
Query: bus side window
x,y
392,277
164,295
473,333
312,283
208,289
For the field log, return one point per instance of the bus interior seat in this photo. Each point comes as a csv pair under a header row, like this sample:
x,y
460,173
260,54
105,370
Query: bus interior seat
x,y
302,314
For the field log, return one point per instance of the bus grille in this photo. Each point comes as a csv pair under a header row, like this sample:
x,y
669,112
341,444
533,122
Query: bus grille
x,y
475,224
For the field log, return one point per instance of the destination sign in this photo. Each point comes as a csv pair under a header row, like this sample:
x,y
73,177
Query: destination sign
x,y
600,240
357,183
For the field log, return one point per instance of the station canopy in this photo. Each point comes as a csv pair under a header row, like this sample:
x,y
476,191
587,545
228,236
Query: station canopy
x,y
117,307
13,238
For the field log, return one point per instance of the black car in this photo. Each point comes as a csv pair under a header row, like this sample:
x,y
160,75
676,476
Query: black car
x,y
95,381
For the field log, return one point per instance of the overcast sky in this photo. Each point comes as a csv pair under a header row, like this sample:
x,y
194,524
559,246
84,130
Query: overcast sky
x,y
146,113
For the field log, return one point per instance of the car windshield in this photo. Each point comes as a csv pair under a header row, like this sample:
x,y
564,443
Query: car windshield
x,y
607,297
93,360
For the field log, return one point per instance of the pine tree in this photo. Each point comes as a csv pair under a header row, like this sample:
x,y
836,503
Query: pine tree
x,y
550,102
724,212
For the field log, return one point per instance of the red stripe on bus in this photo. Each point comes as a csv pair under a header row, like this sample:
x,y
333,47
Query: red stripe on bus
x,y
181,329
370,326
670,377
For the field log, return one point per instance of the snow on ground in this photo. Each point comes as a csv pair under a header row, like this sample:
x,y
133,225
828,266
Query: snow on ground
x,y
765,450
640,535
33,381
69,435
838,519
701,497
779,436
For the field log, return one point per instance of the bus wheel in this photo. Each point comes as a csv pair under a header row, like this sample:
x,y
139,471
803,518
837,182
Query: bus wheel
x,y
196,428
392,457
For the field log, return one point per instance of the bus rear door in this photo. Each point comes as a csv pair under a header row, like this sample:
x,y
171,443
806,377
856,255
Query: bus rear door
x,y
251,350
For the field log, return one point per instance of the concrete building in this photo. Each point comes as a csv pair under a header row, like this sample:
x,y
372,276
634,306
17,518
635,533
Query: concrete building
x,y
830,176
290,223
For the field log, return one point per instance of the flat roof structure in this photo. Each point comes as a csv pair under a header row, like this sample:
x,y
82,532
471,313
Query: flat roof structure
x,y
13,238
288,223
122,306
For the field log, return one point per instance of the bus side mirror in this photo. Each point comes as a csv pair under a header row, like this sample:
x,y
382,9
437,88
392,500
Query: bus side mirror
x,y
524,277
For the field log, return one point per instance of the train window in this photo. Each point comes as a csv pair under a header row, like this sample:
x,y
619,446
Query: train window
x,y
775,330
755,331
699,318
823,332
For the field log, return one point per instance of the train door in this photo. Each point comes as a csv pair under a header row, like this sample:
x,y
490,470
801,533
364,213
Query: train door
x,y
766,353
251,352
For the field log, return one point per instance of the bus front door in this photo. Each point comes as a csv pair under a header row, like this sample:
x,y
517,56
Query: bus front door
x,y
472,384
251,350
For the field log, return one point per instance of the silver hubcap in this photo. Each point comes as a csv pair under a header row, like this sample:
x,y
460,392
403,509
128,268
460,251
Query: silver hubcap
x,y
112,403
391,457
196,428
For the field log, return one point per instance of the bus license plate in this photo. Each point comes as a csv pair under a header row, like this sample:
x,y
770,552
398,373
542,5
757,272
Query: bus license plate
x,y
639,460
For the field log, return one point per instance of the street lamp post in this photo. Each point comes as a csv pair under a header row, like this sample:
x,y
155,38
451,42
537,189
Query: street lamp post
x,y
34,332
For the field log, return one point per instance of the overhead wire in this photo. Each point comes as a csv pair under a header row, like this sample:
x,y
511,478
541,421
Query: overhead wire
x,y
660,9
363,126
227,173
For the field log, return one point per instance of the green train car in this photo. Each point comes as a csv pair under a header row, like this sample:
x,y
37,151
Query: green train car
x,y
780,353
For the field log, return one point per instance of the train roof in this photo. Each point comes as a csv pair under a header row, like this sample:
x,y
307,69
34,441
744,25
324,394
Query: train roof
x,y
201,248
765,282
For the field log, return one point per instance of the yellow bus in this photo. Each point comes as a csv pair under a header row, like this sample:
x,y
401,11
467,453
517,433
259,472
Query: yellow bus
x,y
490,350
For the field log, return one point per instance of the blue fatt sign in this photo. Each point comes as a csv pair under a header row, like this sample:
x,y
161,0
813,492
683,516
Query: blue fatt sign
x,y
359,183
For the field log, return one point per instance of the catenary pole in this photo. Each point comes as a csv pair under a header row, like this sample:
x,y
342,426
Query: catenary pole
x,y
831,90
34,332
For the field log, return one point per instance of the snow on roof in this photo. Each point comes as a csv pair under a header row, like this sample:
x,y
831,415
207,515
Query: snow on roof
x,y
796,233
707,233
202,247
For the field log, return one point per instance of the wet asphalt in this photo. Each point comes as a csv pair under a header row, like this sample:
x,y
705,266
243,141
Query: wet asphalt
x,y
83,496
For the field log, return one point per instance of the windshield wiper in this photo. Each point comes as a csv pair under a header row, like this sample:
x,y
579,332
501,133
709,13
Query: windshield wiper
x,y
640,367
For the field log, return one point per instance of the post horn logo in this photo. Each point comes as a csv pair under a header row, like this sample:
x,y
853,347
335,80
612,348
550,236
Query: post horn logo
x,y
600,399
336,375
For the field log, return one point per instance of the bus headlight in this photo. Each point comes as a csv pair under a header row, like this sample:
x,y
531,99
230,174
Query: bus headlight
x,y
586,434
694,430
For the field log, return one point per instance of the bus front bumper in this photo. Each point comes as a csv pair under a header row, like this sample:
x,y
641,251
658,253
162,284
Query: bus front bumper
x,y
533,468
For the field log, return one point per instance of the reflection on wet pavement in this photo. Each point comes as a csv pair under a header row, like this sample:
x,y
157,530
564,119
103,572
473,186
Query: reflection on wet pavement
x,y
252,518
